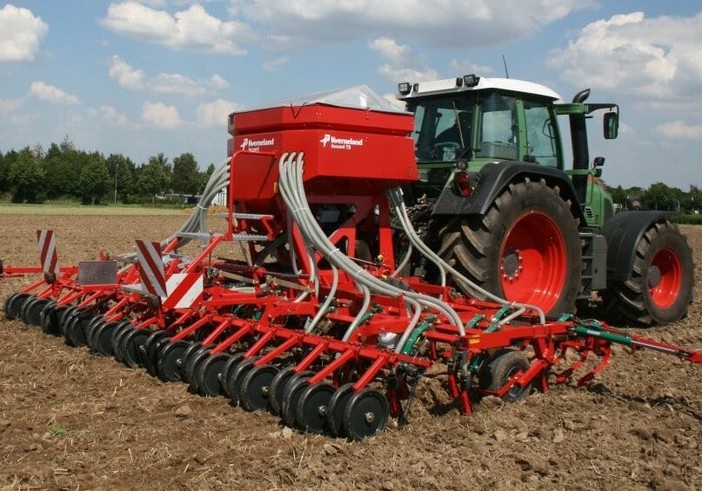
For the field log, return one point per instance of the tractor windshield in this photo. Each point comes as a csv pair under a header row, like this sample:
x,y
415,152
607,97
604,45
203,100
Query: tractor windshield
x,y
442,127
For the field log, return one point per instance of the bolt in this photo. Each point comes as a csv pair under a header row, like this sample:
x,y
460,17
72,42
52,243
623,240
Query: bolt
x,y
322,410
370,417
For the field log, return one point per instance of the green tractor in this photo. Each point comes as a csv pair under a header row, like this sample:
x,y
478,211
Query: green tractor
x,y
497,203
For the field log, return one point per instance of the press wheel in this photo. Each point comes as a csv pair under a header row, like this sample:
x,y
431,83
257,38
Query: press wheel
x,y
312,407
365,413
254,393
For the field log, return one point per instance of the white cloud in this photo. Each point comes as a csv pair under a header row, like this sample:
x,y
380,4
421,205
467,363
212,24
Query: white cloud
x,y
467,67
219,82
657,57
112,116
447,23
191,29
125,76
161,115
131,78
8,106
22,32
679,130
402,63
51,94
273,65
175,84
215,113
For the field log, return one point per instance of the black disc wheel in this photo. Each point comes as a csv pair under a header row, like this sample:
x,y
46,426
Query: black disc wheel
x,y
73,329
8,307
92,330
504,365
150,348
194,350
32,312
210,373
227,370
192,363
335,409
50,318
13,305
170,360
277,388
236,376
254,393
131,347
89,326
313,406
65,318
366,413
660,285
525,248
123,327
102,338
25,307
291,393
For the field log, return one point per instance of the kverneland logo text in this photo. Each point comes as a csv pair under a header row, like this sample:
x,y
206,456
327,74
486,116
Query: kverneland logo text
x,y
340,143
254,145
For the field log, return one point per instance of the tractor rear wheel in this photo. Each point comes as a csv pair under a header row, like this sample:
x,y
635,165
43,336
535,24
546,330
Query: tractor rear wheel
x,y
660,284
526,248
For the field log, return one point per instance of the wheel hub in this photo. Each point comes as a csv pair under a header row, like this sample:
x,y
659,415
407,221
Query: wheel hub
x,y
369,417
511,265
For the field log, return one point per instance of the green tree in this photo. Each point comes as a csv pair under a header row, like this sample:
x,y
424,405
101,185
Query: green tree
x,y
94,179
64,165
122,172
618,195
204,177
185,174
26,177
4,173
154,178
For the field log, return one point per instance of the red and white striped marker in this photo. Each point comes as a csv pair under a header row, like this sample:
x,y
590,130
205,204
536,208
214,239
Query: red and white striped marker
x,y
150,266
184,290
46,244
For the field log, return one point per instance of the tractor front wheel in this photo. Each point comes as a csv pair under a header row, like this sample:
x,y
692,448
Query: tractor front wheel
x,y
525,249
661,280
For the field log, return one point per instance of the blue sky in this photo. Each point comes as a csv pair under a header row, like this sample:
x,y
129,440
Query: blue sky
x,y
144,77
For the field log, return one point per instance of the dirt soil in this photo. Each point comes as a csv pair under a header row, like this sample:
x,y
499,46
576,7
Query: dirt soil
x,y
73,420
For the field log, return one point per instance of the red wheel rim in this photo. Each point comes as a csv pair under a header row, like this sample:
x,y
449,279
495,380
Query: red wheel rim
x,y
665,291
534,261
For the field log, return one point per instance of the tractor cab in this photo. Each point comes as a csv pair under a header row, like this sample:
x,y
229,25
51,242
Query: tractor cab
x,y
463,124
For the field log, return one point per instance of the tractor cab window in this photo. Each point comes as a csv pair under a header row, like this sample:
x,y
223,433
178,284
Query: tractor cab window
x,y
442,127
499,135
541,136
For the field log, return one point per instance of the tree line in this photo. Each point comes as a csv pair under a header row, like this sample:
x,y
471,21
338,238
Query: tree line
x,y
658,196
62,172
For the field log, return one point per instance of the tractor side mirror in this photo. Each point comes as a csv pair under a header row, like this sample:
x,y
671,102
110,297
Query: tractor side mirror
x,y
611,125
597,165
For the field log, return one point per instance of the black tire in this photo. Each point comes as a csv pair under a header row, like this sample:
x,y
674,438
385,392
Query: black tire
x,y
503,365
526,248
660,287
13,305
209,375
366,413
169,365
255,387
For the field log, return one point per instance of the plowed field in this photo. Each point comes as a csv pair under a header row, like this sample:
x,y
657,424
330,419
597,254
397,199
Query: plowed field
x,y
73,420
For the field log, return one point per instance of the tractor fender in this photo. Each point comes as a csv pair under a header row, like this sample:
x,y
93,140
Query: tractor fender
x,y
493,179
623,232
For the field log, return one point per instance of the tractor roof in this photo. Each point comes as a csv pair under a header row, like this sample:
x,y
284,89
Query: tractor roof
x,y
474,83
